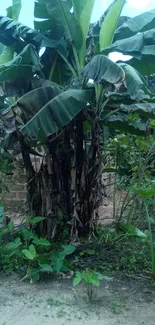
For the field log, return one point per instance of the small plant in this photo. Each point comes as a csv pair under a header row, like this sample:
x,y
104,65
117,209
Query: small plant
x,y
53,302
116,306
91,280
107,235
25,250
59,258
147,194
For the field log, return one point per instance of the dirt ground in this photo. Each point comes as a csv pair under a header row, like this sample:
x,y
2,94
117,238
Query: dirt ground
x,y
51,302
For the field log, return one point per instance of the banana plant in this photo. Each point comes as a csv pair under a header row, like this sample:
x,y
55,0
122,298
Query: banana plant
x,y
60,115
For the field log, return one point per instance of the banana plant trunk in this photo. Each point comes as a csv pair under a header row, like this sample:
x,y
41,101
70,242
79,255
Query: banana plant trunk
x,y
67,189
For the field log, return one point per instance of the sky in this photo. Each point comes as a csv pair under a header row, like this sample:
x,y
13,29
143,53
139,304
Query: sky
x,y
132,8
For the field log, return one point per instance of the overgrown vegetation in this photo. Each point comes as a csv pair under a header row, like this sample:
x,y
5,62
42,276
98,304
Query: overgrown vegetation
x,y
109,251
67,187
91,279
84,116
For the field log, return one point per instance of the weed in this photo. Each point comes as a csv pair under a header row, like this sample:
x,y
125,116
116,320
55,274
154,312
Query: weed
x,y
54,302
116,306
34,255
91,280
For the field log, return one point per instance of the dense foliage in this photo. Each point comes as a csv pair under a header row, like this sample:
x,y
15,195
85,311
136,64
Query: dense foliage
x,y
50,109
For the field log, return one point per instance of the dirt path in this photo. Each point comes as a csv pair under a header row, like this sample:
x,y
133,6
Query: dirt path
x,y
55,303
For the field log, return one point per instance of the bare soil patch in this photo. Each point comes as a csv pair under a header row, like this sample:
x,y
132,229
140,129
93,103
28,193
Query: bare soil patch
x,y
122,301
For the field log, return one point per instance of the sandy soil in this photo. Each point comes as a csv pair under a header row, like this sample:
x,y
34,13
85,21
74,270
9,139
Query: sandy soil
x,y
55,303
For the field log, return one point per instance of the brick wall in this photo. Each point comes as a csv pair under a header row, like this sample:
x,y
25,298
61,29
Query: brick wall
x,y
15,199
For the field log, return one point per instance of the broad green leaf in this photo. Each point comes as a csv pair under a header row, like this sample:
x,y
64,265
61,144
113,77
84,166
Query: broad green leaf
x,y
32,250
60,10
30,253
83,11
141,47
134,81
40,10
46,268
146,191
96,27
145,65
55,68
12,31
8,229
41,242
122,20
143,109
91,278
100,276
133,45
78,7
14,10
33,274
110,23
33,101
102,69
68,249
77,279
44,25
27,234
23,65
3,232
10,226
57,113
131,230
15,244
25,107
140,233
35,220
6,55
140,23
57,261
95,281
122,123
43,259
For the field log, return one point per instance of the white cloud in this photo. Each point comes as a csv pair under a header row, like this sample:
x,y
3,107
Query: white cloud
x,y
141,4
131,8
26,15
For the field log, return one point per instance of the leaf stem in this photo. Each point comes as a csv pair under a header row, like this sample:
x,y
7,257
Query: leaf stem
x,y
70,38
